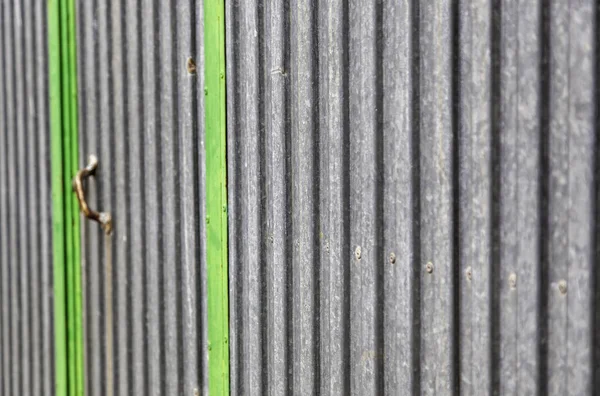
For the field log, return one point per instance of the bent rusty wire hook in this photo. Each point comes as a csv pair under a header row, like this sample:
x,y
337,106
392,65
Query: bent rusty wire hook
x,y
101,217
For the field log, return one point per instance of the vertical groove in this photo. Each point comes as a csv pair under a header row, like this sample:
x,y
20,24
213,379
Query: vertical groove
x,y
237,198
496,193
21,170
379,202
176,139
141,111
159,191
45,142
262,183
4,339
108,151
198,198
82,108
30,209
34,197
456,215
596,273
289,224
128,223
316,193
13,252
14,214
544,174
416,196
346,255
96,124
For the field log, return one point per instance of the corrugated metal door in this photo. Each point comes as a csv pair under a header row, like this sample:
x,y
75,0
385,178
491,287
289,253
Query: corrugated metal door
x,y
413,197
26,276
141,112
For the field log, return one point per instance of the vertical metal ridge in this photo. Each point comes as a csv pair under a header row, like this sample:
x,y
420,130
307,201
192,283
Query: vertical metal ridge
x,y
170,209
472,198
112,248
161,121
177,65
365,197
87,110
189,207
276,80
103,150
397,251
249,209
44,181
11,128
554,120
155,47
21,254
82,109
120,200
436,197
97,254
325,351
152,212
30,195
305,194
128,294
136,114
527,145
33,197
581,177
508,276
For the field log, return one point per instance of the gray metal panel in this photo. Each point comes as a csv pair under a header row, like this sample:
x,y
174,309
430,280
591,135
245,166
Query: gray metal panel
x,y
142,114
368,139
475,197
26,304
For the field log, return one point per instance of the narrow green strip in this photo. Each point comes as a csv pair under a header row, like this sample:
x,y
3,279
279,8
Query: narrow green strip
x,y
58,218
216,198
73,206
66,247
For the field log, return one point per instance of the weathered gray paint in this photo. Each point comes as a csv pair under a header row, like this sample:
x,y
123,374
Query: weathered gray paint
x,y
365,140
26,300
461,134
142,114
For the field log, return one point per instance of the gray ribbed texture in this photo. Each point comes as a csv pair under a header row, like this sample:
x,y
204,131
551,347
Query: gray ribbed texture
x,y
411,184
26,300
142,114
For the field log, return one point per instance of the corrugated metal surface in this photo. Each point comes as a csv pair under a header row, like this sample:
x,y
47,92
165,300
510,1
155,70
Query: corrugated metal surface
x,y
26,303
141,113
413,197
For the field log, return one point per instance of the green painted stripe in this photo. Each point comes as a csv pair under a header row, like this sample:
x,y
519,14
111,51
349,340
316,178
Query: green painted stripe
x,y
216,198
66,246
58,219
